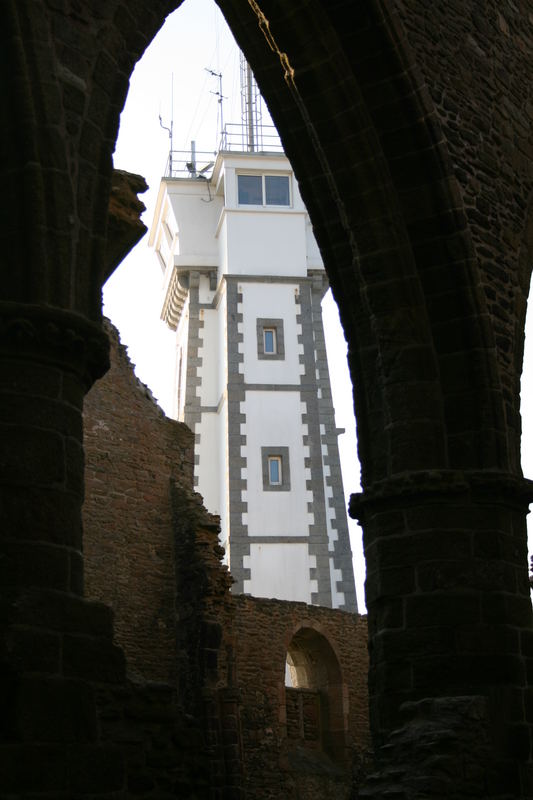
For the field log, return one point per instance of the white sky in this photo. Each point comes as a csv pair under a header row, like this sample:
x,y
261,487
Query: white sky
x,y
195,38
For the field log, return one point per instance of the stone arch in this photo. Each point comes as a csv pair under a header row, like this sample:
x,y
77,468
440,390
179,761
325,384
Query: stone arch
x,y
60,133
379,185
315,700
376,177
354,149
443,505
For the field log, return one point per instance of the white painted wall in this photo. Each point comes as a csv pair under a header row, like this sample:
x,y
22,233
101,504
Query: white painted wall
x,y
197,215
229,182
208,468
222,459
208,371
337,598
182,334
273,419
262,239
328,494
264,242
222,248
163,248
266,301
212,449
205,293
220,346
314,259
281,571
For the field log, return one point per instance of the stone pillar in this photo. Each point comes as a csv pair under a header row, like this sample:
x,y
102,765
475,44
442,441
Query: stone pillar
x,y
48,358
54,645
450,627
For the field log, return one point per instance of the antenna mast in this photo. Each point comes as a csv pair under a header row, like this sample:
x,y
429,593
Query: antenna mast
x,y
250,106
171,129
219,95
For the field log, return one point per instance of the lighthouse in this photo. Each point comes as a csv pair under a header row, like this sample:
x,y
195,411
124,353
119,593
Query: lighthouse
x,y
243,285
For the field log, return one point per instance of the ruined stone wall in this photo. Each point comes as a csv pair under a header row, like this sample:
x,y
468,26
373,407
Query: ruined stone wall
x,y
152,552
231,654
275,764
132,453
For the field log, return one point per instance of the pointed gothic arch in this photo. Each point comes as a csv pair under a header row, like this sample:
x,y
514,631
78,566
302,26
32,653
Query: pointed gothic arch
x,y
315,697
397,173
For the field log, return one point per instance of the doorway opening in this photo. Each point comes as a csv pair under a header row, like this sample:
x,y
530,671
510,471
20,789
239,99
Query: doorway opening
x,y
316,717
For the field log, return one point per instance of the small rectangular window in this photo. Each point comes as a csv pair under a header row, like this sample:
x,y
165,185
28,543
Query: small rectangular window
x,y
274,470
277,190
250,190
269,340
168,233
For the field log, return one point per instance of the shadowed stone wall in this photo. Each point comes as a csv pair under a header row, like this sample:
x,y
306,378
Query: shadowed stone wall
x,y
152,553
132,455
409,128
280,761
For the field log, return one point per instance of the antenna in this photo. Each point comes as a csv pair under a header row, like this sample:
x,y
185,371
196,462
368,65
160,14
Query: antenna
x,y
219,95
171,128
250,106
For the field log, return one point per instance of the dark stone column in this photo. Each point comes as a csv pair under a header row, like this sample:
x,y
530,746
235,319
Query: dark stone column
x,y
54,645
450,632
48,358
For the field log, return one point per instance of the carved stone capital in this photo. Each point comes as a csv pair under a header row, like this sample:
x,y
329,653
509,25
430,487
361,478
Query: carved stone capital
x,y
481,486
49,335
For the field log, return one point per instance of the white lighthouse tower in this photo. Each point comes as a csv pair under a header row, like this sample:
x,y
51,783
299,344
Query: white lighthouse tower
x,y
244,282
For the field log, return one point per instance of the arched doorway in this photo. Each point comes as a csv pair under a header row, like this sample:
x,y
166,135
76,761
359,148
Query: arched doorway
x,y
316,716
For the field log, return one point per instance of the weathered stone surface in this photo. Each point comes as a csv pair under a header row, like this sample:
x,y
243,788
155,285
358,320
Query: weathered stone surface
x,y
133,452
409,126
124,226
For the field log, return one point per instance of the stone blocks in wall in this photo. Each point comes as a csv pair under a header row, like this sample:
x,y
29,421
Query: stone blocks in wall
x,y
132,453
285,748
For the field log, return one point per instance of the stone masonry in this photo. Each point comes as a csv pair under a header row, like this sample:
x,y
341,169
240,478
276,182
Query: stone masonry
x,y
133,454
152,555
409,127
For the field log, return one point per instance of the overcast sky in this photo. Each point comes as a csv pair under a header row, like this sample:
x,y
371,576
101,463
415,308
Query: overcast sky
x,y
172,81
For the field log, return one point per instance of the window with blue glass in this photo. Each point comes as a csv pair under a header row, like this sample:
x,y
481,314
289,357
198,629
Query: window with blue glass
x,y
269,340
263,190
277,190
274,470
250,190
